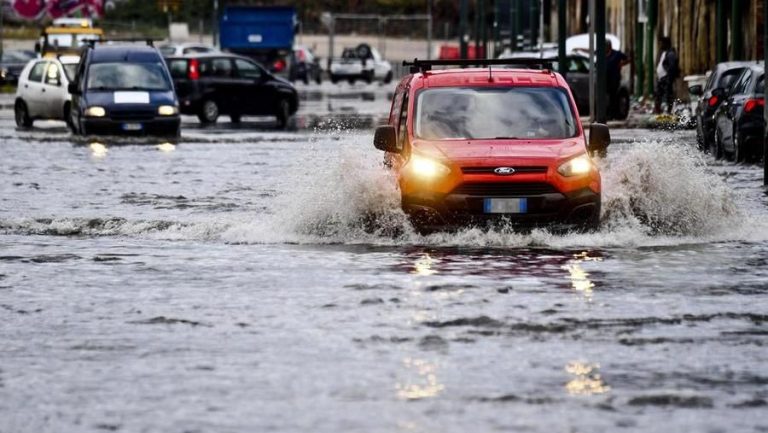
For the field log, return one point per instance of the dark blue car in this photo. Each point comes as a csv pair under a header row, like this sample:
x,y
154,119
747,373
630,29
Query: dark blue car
x,y
739,123
124,89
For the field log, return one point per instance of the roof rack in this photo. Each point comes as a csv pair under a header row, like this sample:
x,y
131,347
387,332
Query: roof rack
x,y
91,42
425,65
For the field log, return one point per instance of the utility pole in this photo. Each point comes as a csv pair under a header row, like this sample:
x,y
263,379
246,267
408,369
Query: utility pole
x,y
429,29
215,24
602,82
737,32
513,28
765,111
496,13
533,24
463,28
477,31
650,59
562,28
483,26
721,32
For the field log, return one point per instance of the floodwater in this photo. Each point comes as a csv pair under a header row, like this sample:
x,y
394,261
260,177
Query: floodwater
x,y
252,280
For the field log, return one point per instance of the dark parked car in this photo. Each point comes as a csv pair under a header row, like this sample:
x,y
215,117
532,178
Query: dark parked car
x,y
123,89
305,66
11,64
739,123
710,97
577,77
209,85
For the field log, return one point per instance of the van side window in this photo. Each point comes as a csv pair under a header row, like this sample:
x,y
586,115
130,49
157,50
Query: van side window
x,y
37,72
403,124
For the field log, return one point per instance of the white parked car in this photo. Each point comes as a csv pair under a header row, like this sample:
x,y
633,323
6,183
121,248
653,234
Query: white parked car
x,y
42,91
361,63
170,50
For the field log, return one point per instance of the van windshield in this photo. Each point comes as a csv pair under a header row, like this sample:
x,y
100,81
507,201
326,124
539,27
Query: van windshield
x,y
128,76
494,113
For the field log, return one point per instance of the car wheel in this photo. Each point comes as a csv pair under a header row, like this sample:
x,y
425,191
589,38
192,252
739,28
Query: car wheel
x,y
22,115
235,118
67,111
739,152
209,112
369,77
716,148
351,81
319,77
283,113
388,78
305,78
334,79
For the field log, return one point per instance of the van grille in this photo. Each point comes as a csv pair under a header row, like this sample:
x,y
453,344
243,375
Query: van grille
x,y
501,189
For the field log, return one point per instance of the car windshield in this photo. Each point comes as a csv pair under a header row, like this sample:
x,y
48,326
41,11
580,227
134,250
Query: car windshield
x,y
15,56
127,76
494,112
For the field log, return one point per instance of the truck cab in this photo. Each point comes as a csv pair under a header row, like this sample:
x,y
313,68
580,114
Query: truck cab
x,y
67,36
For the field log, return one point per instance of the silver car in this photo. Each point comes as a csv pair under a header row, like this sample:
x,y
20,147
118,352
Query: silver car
x,y
42,90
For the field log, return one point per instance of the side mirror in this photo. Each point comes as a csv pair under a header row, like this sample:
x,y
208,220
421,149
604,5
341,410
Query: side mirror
x,y
38,47
599,138
385,139
72,88
719,92
696,90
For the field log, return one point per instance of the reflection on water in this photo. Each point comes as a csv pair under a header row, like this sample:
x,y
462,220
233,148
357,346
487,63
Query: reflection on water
x,y
424,265
166,147
422,381
579,278
98,150
586,380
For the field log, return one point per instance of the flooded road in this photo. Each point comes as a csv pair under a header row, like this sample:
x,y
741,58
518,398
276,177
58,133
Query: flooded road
x,y
247,279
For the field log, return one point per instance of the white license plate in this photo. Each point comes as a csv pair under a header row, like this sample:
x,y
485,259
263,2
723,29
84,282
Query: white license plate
x,y
505,205
132,126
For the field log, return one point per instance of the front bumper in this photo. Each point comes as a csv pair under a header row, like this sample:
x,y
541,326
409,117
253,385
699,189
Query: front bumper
x,y
167,126
579,209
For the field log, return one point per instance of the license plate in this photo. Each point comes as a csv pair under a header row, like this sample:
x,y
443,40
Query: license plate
x,y
505,205
132,126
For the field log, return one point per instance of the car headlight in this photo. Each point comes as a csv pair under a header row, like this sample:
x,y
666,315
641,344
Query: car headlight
x,y
95,111
427,168
167,110
576,166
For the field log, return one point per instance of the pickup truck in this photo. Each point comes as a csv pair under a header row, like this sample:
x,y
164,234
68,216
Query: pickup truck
x,y
360,63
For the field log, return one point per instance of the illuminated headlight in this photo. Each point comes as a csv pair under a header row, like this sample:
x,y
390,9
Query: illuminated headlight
x,y
167,110
576,166
427,168
95,111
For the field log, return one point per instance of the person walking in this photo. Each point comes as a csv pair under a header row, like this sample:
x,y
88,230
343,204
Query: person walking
x,y
614,61
667,71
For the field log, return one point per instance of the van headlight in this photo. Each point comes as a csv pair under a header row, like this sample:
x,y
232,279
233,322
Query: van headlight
x,y
427,168
576,166
95,111
167,110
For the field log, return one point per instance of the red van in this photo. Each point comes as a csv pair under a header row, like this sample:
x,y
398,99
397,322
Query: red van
x,y
482,145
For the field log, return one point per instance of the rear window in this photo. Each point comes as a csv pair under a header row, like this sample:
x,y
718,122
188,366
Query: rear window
x,y
178,68
728,77
490,112
127,76
167,50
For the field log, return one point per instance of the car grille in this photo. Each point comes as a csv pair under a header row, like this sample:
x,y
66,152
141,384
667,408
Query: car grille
x,y
132,115
501,189
489,170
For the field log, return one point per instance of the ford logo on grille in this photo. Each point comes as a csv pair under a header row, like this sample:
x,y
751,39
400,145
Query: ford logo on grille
x,y
504,171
